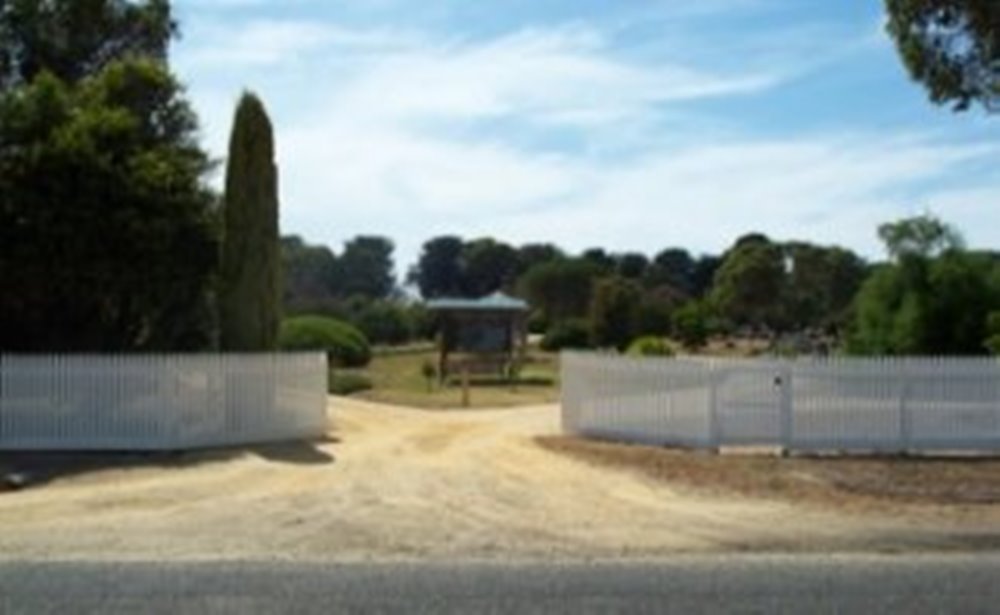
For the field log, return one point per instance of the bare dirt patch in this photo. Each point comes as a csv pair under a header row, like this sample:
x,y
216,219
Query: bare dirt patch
x,y
397,483
888,482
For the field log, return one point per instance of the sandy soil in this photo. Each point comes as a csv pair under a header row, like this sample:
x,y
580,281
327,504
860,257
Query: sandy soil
x,y
402,484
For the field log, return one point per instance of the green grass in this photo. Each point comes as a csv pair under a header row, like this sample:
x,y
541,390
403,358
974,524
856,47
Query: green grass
x,y
397,379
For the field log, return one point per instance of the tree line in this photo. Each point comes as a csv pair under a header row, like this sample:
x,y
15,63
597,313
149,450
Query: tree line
x,y
931,295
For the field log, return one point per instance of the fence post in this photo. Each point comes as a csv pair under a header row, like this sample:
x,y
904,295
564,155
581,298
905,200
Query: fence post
x,y
786,408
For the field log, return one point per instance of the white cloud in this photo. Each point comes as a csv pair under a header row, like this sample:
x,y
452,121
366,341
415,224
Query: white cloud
x,y
386,131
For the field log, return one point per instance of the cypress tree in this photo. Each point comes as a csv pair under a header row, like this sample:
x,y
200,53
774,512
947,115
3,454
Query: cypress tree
x,y
250,293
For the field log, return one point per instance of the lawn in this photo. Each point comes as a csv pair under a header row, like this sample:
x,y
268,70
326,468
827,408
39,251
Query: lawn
x,y
398,379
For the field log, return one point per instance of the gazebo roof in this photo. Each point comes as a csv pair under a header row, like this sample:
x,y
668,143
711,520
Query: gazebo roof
x,y
497,302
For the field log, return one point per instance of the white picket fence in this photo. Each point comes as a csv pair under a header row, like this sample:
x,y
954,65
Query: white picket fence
x,y
834,404
159,402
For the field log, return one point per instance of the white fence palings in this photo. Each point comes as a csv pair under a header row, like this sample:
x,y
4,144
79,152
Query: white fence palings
x,y
159,402
834,404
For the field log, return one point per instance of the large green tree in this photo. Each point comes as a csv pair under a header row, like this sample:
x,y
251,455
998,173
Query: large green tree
x,y
438,272
365,268
934,297
107,230
952,47
614,312
750,285
250,289
560,289
74,39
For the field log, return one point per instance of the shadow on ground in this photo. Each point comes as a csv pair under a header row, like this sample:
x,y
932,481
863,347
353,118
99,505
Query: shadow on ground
x,y
25,470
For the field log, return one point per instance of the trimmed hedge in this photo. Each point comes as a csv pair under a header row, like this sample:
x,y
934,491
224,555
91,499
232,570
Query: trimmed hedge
x,y
346,346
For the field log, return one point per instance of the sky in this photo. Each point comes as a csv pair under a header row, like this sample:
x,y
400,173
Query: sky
x,y
630,125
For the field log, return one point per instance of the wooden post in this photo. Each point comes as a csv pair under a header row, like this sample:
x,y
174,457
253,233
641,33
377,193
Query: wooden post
x,y
465,385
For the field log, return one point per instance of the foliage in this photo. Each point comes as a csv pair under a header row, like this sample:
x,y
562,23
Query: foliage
x,y
365,269
992,342
487,266
108,232
691,325
750,284
250,290
73,40
308,275
532,254
560,289
614,312
569,334
821,284
656,312
951,46
921,236
631,265
346,346
347,383
651,346
438,272
674,268
927,302
386,322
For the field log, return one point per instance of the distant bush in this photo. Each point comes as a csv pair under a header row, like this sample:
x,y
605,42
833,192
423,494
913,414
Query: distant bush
x,y
346,346
385,322
346,383
651,346
569,334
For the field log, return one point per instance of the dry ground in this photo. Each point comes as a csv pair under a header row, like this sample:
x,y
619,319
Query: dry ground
x,y
402,484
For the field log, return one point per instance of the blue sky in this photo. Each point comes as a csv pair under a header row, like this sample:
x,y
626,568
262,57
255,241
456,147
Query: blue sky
x,y
628,125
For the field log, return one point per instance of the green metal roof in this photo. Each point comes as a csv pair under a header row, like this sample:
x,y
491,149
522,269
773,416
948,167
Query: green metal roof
x,y
495,302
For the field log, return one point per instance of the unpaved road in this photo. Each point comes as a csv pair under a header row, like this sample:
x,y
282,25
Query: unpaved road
x,y
402,484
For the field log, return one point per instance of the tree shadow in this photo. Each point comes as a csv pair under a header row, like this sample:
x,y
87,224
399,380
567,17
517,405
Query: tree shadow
x,y
30,469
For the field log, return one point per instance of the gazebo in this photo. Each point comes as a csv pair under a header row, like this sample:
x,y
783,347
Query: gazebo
x,y
489,333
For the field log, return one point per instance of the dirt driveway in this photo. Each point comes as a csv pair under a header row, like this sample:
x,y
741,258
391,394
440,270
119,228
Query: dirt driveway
x,y
400,484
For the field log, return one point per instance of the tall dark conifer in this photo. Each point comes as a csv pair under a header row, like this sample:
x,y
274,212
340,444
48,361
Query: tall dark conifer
x,y
250,294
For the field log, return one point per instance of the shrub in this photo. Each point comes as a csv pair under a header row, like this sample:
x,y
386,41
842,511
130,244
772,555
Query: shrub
x,y
346,383
346,346
573,333
384,322
691,325
651,346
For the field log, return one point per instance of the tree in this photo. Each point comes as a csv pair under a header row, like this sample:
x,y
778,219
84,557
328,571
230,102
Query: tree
x,y
672,267
532,254
600,259
931,299
438,272
821,284
74,39
631,265
923,237
109,240
487,266
365,268
750,284
309,275
952,47
614,312
690,325
703,274
560,289
250,291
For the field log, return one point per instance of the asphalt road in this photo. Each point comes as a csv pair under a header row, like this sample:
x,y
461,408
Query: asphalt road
x,y
716,584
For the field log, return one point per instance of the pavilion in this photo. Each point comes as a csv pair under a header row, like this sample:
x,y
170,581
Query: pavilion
x,y
489,334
